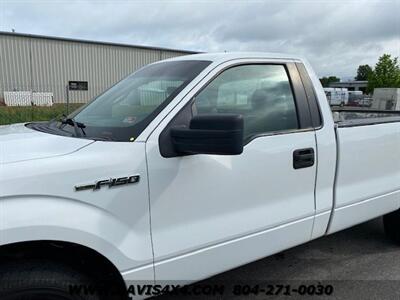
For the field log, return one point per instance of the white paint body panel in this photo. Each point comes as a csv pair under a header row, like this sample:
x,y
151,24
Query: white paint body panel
x,y
38,200
214,259
19,143
368,175
204,200
201,214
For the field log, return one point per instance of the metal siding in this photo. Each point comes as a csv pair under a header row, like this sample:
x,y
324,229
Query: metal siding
x,y
14,64
55,62
170,54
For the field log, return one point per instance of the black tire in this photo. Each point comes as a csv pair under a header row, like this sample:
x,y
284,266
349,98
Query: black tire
x,y
391,224
43,280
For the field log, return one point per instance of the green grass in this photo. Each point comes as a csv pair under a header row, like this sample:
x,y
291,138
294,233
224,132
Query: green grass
x,y
20,114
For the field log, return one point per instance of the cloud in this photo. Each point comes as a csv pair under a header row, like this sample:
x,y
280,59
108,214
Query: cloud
x,y
336,36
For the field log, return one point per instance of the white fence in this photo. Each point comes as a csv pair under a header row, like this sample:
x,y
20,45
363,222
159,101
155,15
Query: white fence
x,y
28,99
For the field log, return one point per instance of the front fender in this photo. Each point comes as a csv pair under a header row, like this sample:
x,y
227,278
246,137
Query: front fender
x,y
38,201
33,218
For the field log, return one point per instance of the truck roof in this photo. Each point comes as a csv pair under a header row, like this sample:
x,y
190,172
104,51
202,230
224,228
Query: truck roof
x,y
226,56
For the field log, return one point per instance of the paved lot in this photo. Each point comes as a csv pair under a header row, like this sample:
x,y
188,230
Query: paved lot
x,y
360,263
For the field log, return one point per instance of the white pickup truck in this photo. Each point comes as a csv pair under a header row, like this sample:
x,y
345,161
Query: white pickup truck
x,y
187,168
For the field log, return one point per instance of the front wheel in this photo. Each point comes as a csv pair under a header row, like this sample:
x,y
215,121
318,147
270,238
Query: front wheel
x,y
391,224
45,280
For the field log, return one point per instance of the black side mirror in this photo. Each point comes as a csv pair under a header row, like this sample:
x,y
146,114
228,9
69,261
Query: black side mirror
x,y
210,134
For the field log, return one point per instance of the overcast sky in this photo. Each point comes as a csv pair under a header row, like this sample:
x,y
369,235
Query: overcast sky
x,y
336,36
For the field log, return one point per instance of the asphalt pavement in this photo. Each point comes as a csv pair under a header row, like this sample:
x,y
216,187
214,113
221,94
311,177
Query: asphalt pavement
x,y
358,263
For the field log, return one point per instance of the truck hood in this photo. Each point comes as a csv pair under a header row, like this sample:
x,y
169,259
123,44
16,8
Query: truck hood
x,y
18,143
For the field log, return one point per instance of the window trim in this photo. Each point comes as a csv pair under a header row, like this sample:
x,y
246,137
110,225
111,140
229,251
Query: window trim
x,y
300,97
300,100
314,105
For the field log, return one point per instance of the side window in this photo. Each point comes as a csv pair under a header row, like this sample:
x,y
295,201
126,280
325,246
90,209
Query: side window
x,y
262,94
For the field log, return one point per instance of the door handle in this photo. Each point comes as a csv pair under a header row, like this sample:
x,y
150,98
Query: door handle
x,y
303,158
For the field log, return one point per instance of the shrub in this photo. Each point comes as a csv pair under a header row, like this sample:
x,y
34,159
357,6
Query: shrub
x,y
21,114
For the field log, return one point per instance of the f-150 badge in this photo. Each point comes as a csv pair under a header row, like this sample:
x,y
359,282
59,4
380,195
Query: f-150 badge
x,y
112,182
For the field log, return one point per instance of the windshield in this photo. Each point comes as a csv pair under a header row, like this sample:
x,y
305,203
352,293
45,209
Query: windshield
x,y
123,112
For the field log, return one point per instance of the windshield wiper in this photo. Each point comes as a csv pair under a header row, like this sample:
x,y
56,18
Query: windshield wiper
x,y
75,124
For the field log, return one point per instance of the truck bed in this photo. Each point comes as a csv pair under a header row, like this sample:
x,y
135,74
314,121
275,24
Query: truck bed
x,y
367,183
347,117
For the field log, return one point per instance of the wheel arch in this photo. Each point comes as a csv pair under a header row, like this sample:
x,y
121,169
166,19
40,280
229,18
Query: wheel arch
x,y
46,218
80,258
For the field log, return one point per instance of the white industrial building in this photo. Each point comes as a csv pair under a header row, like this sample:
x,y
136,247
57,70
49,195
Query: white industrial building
x,y
45,65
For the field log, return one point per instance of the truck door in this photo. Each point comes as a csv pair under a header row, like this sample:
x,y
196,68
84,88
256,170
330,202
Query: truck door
x,y
210,213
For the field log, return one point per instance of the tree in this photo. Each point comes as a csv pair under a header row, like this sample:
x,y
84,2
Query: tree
x,y
363,72
325,81
386,73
